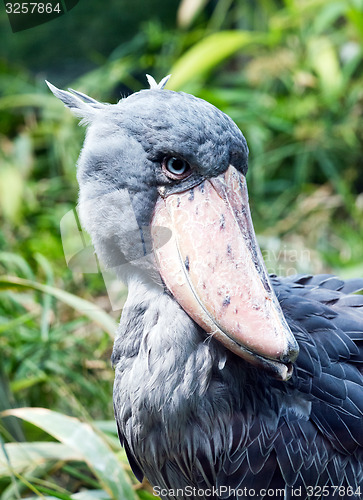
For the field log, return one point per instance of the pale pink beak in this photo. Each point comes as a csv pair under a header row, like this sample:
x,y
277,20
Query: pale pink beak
x,y
213,266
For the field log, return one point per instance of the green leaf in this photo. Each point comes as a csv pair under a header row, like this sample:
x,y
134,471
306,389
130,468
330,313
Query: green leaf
x,y
11,191
25,383
22,455
210,52
106,426
324,60
355,16
82,438
83,306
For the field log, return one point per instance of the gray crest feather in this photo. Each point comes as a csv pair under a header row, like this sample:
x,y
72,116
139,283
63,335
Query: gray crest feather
x,y
80,104
83,96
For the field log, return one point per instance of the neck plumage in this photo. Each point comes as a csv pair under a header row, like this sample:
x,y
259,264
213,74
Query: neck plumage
x,y
169,374
162,358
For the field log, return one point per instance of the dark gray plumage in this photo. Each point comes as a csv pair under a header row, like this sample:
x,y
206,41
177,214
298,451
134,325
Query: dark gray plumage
x,y
190,412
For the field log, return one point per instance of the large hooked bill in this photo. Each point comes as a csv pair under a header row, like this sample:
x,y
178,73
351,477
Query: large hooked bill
x,y
214,268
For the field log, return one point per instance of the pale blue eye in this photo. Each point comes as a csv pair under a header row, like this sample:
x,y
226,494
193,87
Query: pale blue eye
x,y
177,166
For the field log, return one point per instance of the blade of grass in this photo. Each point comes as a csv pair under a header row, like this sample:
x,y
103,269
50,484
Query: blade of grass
x,y
13,323
83,306
15,263
47,299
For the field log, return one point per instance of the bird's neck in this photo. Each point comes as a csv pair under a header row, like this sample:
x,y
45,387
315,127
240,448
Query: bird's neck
x,y
168,374
162,358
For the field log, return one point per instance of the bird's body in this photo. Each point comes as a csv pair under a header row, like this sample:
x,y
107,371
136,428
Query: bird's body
x,y
190,413
228,384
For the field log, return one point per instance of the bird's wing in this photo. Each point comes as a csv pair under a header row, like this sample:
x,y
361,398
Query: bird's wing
x,y
328,323
322,441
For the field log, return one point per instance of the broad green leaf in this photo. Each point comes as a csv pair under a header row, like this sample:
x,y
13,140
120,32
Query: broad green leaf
x,y
106,426
210,52
22,455
355,16
324,60
82,438
83,306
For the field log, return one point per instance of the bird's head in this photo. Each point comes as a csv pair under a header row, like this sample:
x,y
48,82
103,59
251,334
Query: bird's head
x,y
163,194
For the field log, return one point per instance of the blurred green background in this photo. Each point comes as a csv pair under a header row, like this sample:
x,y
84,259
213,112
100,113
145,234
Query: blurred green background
x,y
288,72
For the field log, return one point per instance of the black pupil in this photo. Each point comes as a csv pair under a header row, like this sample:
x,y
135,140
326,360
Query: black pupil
x,y
177,164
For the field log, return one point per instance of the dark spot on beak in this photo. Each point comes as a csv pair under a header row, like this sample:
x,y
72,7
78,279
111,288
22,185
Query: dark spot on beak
x,y
201,187
227,301
186,263
191,195
222,222
229,250
178,202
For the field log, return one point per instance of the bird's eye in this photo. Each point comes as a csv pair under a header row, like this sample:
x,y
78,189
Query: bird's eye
x,y
176,168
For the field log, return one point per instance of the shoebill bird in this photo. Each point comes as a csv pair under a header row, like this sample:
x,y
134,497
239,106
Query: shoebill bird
x,y
229,383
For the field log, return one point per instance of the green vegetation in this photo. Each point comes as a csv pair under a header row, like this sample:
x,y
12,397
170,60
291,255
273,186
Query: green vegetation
x,y
290,74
